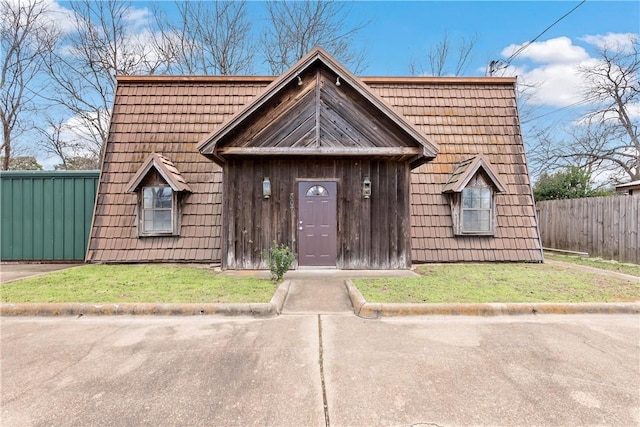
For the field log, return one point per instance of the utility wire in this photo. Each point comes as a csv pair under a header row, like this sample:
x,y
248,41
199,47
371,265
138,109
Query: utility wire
x,y
575,104
496,65
519,51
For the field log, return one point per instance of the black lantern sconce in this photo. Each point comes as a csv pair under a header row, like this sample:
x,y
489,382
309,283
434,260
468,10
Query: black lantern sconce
x,y
366,187
266,188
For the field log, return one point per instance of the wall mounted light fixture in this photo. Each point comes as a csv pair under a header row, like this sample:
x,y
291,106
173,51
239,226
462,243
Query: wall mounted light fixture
x,y
338,81
299,81
266,187
366,187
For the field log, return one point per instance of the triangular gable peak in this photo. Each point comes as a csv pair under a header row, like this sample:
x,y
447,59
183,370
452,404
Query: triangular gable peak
x,y
165,168
467,169
318,108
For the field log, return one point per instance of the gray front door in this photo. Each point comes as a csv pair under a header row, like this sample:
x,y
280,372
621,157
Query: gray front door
x,y
317,226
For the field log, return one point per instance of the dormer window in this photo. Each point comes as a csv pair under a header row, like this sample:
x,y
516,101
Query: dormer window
x,y
472,192
159,187
477,210
157,210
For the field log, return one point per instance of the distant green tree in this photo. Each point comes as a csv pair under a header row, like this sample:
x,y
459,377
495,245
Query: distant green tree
x,y
570,183
23,163
78,163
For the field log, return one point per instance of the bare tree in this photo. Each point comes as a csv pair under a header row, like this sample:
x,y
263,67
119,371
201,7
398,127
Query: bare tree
x,y
443,56
613,82
59,139
588,147
208,38
25,35
605,141
53,141
104,43
294,28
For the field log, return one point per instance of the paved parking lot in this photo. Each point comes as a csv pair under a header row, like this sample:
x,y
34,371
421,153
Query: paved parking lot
x,y
314,370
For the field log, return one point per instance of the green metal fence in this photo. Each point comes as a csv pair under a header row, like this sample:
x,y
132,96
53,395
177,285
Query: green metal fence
x,y
46,215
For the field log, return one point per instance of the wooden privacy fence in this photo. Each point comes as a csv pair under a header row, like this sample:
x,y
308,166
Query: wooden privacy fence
x,y
606,227
46,215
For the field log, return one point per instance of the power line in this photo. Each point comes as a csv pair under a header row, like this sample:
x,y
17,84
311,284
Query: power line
x,y
575,104
499,64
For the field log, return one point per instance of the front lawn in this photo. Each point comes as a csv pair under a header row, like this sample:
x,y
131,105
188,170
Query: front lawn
x,y
480,283
619,267
137,283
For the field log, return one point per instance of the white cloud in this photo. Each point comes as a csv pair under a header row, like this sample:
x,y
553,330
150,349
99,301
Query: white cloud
x,y
552,67
634,110
553,51
616,41
60,16
54,13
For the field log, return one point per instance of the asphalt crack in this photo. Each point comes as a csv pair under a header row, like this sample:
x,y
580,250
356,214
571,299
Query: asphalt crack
x,y
322,382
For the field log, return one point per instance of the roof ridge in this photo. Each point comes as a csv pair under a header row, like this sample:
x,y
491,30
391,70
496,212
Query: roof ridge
x,y
169,79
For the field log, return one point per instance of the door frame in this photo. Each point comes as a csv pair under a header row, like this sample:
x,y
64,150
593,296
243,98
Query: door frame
x,y
296,217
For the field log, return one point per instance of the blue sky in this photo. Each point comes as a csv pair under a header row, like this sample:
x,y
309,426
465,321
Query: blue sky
x,y
402,32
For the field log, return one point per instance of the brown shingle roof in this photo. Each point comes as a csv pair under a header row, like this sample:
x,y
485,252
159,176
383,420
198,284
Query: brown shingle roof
x,y
466,170
165,167
466,117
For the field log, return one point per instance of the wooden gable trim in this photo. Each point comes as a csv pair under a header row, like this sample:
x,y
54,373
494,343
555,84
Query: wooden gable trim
x,y
209,145
466,170
325,151
165,168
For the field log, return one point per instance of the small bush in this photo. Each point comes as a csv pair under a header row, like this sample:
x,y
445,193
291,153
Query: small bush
x,y
279,259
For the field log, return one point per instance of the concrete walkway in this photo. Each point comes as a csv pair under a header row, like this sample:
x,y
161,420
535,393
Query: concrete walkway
x,y
317,297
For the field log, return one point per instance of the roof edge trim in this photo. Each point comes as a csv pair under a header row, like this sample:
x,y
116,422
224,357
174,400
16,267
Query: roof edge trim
x,y
161,164
195,79
271,79
467,170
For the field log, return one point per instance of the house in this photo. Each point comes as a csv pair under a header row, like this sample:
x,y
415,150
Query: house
x,y
353,173
630,188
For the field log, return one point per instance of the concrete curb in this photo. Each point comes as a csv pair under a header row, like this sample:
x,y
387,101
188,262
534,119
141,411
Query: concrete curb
x,y
368,310
270,309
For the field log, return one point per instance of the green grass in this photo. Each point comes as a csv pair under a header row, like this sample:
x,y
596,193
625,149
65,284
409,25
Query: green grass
x,y
631,269
478,283
137,283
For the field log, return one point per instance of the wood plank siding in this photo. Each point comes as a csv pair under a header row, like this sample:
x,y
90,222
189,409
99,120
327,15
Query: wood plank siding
x,y
372,233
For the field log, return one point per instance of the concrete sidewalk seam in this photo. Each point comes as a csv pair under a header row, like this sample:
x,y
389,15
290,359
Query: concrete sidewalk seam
x,y
369,310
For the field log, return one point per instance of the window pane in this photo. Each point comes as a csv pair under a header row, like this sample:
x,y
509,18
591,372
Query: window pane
x,y
477,206
485,198
467,198
317,190
475,197
162,216
147,197
157,209
476,220
163,198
